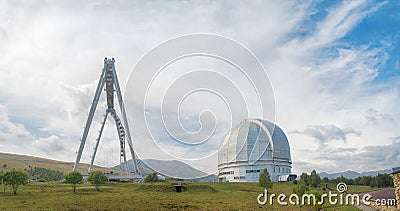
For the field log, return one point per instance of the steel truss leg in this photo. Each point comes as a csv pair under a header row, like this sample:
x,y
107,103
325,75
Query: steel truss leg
x,y
96,98
125,121
97,142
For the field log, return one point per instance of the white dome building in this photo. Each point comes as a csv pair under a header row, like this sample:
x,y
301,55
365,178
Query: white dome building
x,y
252,146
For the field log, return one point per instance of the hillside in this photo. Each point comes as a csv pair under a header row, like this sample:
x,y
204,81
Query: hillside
x,y
24,161
172,168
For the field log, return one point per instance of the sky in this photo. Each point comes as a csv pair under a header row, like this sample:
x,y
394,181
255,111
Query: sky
x,y
334,68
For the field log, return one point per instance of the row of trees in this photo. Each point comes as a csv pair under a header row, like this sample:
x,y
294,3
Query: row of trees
x,y
96,178
381,181
43,174
312,180
16,178
306,181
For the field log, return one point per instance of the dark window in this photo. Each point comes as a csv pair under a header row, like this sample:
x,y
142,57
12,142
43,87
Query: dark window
x,y
226,172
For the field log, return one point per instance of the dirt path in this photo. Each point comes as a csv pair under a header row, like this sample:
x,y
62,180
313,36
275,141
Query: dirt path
x,y
364,207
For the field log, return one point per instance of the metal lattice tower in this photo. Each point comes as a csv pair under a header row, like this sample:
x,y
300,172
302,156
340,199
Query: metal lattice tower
x,y
110,79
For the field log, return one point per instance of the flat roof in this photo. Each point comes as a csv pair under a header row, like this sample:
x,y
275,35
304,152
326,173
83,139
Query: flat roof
x,y
395,170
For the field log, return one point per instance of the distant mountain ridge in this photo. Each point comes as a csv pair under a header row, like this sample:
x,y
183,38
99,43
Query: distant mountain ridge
x,y
170,168
352,174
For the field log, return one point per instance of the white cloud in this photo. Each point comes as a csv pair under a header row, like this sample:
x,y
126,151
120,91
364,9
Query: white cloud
x,y
51,145
327,133
11,132
372,158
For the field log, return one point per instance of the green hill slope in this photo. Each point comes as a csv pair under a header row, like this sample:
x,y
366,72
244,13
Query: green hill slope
x,y
24,161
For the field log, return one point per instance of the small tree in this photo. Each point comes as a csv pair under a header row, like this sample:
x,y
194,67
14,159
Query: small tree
x,y
325,180
152,177
16,178
73,178
314,179
97,178
264,179
305,179
342,179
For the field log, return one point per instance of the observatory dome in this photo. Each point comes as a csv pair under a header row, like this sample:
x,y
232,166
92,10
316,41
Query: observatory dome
x,y
250,147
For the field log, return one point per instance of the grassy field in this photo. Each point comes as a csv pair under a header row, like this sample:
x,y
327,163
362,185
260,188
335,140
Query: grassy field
x,y
157,196
130,196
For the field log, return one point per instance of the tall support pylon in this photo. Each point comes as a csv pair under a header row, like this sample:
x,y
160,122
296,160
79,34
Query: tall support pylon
x,y
110,80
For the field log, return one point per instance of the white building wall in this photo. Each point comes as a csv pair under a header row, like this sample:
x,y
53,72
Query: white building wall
x,y
236,172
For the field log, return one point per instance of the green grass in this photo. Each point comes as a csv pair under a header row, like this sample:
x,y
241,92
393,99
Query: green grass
x,y
351,189
360,189
157,196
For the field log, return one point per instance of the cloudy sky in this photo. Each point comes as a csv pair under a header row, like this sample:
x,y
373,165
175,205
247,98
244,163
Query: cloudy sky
x,y
334,67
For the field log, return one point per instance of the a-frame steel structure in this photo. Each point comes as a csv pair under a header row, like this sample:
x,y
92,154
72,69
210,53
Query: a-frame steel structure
x,y
109,80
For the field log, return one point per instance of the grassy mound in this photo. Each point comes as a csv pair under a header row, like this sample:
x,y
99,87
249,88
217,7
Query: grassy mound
x,y
194,188
155,187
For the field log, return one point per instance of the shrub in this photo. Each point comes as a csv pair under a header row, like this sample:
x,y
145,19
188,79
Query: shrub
x,y
317,205
41,180
97,178
300,188
152,177
265,179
